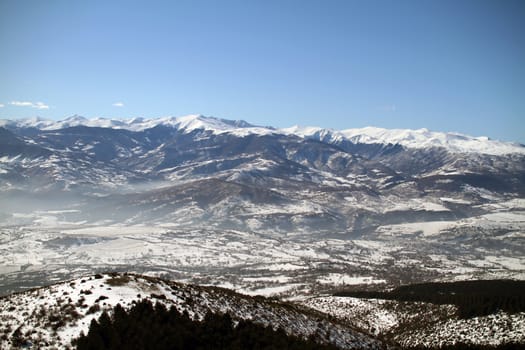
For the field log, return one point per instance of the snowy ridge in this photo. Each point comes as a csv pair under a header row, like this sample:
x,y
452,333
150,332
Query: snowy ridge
x,y
75,120
422,324
51,317
417,139
186,123
423,138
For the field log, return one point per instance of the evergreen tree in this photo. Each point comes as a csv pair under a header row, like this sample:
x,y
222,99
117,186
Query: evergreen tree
x,y
146,327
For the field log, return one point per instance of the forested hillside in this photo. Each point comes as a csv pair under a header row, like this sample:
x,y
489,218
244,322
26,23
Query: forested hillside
x,y
472,298
148,326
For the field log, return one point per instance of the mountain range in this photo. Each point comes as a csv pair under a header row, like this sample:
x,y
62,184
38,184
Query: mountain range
x,y
359,202
294,213
288,180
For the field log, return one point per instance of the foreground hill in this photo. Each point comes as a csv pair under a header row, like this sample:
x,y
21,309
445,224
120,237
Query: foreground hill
x,y
55,316
51,317
466,314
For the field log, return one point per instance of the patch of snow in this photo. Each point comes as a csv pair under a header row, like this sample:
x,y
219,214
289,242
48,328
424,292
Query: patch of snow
x,y
343,279
454,200
270,291
428,228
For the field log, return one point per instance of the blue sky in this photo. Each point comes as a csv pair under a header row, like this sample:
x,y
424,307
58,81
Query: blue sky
x,y
444,65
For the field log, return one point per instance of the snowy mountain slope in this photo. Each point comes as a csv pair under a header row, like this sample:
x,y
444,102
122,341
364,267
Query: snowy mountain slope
x,y
314,184
187,123
421,138
157,151
416,139
53,316
423,324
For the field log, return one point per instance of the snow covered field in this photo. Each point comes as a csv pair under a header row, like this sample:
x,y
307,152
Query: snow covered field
x,y
43,246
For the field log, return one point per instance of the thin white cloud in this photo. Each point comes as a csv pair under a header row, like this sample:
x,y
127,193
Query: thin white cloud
x,y
40,105
21,104
2,105
118,104
37,105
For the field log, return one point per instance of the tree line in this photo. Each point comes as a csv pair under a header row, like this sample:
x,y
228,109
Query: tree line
x,y
472,298
147,326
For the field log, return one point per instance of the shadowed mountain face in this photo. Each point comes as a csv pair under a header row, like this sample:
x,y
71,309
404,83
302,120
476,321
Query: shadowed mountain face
x,y
13,146
185,194
231,171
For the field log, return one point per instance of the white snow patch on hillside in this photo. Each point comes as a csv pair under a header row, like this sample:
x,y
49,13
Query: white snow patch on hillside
x,y
500,328
270,291
422,324
368,314
343,279
413,204
428,228
454,200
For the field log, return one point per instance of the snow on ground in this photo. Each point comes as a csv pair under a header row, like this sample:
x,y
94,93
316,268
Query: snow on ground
x,y
270,291
422,324
369,314
507,262
338,279
49,318
454,200
421,138
480,191
202,255
428,228
114,230
500,328
517,217
413,204
283,267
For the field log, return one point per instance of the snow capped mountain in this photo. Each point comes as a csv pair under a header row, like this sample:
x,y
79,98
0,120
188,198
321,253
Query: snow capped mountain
x,y
187,123
415,139
423,138
289,212
242,176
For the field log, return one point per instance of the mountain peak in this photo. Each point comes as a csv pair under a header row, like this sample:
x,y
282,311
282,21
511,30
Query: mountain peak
x,y
75,118
188,123
418,139
192,122
424,138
